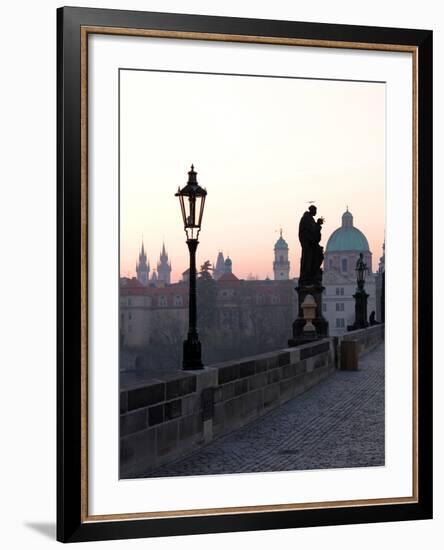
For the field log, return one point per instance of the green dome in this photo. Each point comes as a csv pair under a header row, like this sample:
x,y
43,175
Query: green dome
x,y
347,237
281,243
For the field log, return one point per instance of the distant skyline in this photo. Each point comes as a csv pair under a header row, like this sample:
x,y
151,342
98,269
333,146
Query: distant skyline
x,y
263,148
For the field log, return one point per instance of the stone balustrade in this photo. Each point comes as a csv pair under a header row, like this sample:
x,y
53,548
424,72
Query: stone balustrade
x,y
163,419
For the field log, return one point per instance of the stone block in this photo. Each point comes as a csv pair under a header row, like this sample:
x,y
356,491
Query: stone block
x,y
309,365
190,425
273,376
146,395
240,387
133,422
298,384
284,358
208,430
218,394
247,369
252,404
123,402
313,349
167,437
206,378
300,367
257,381
219,414
288,371
180,385
233,411
271,395
227,391
320,361
156,414
261,365
227,374
173,409
272,362
190,404
286,390
207,403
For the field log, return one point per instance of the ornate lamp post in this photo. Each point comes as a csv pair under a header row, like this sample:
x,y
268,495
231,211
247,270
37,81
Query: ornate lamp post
x,y
360,295
192,201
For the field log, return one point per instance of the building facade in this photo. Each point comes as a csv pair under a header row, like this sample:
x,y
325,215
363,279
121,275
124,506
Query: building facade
x,y
339,279
380,288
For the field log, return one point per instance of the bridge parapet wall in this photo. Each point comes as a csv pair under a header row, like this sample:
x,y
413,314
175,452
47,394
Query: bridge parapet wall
x,y
163,419
367,338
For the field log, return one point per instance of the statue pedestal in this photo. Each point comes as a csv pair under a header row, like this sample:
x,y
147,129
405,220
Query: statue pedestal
x,y
320,323
361,321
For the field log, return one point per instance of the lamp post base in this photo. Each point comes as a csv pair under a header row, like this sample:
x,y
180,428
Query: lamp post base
x,y
192,355
361,298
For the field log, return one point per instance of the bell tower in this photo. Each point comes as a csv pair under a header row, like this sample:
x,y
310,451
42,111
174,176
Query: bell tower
x,y
281,265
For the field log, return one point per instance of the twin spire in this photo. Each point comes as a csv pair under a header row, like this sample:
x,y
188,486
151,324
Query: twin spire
x,y
143,268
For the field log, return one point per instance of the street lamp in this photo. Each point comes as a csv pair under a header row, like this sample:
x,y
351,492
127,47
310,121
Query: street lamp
x,y
192,201
361,270
360,295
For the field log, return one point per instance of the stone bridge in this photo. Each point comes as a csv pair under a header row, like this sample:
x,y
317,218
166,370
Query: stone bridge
x,y
165,419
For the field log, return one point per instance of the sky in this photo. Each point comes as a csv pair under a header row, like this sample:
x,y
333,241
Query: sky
x,y
263,148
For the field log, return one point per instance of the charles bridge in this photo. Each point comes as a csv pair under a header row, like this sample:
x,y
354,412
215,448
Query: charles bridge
x,y
194,422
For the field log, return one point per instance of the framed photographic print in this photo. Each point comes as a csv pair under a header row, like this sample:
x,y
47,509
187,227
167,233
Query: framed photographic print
x,y
244,274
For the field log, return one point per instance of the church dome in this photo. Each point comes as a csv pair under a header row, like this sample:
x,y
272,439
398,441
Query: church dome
x,y
347,237
281,243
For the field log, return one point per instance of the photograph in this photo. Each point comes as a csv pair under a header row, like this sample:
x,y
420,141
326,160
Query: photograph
x,y
251,273
244,295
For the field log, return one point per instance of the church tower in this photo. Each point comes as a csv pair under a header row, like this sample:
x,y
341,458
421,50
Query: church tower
x,y
228,265
219,268
281,265
164,267
143,267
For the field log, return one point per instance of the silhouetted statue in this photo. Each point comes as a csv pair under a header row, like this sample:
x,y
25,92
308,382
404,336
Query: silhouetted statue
x,y
310,280
312,253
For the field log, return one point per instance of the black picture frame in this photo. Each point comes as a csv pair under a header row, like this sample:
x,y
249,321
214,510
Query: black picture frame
x,y
72,524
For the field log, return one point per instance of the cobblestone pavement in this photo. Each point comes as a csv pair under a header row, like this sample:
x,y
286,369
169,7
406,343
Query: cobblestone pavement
x,y
337,424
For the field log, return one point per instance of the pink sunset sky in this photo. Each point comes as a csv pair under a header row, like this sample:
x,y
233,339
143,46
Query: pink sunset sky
x,y
263,148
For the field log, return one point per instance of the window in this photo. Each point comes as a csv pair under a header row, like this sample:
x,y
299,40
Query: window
x,y
130,316
330,264
344,264
324,307
281,259
339,291
260,299
162,301
130,303
275,299
178,300
339,306
340,323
